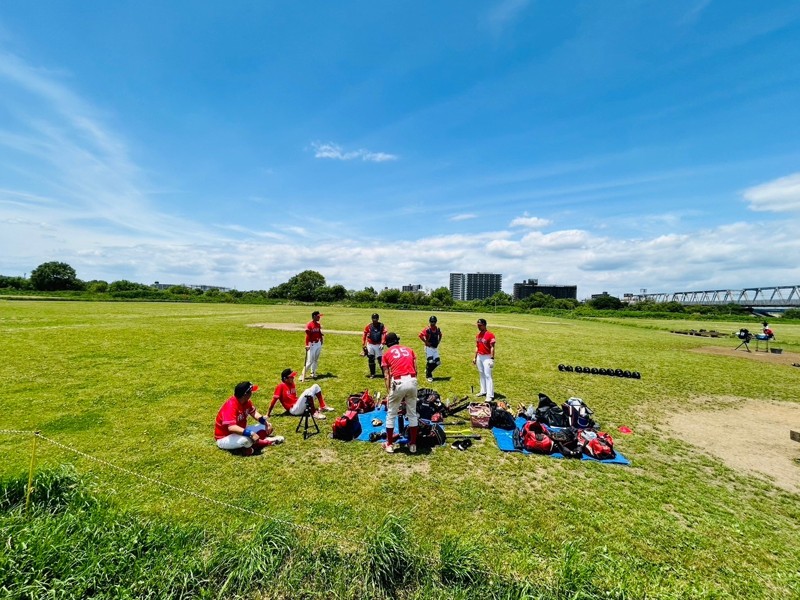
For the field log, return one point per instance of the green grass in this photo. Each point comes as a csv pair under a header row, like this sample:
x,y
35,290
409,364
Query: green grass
x,y
138,386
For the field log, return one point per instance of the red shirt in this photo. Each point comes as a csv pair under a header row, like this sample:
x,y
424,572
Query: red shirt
x,y
286,394
400,361
313,332
232,412
484,342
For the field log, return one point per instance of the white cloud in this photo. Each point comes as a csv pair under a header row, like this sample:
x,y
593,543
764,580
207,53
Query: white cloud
x,y
463,217
335,152
778,195
530,222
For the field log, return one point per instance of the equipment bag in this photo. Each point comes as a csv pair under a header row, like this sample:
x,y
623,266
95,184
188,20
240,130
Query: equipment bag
x,y
361,403
533,437
503,419
566,441
429,403
347,427
549,413
577,414
430,434
596,444
480,413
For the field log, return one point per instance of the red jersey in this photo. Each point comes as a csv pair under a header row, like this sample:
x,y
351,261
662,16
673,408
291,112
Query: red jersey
x,y
400,361
232,412
484,342
313,332
286,394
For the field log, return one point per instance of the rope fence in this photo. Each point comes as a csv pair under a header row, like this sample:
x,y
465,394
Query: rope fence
x,y
38,435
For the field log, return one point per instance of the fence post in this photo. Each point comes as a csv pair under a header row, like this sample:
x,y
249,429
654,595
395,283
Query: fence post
x,y
30,472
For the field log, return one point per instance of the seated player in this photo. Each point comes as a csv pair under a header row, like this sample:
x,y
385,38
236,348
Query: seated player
x,y
286,394
230,427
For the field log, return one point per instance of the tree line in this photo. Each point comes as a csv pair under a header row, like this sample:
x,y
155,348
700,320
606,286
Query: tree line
x,y
311,286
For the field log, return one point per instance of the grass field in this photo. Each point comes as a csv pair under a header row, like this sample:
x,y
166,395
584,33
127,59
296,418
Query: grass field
x,y
138,385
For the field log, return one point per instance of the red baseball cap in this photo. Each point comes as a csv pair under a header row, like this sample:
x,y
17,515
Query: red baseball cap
x,y
288,373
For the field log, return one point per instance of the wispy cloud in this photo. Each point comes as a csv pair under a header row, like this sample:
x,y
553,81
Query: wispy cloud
x,y
778,195
504,13
530,222
463,217
336,152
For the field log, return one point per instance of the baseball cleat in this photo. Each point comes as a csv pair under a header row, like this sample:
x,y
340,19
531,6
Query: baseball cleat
x,y
319,415
412,448
327,408
387,447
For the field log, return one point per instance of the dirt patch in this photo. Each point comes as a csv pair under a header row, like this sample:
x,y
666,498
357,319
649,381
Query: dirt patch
x,y
298,327
784,358
751,437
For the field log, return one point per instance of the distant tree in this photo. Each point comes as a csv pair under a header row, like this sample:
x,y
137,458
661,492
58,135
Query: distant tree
x,y
566,303
499,298
389,295
538,300
792,313
334,293
97,286
302,286
53,276
672,307
279,291
605,303
368,294
179,290
123,285
14,283
443,295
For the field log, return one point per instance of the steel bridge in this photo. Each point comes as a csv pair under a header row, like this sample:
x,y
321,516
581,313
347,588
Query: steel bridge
x,y
784,296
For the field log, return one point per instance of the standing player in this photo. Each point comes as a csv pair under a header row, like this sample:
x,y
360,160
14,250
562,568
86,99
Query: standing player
x,y
286,394
372,342
314,337
431,336
484,359
230,426
400,374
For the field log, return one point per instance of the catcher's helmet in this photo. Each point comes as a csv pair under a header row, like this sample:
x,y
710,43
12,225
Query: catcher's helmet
x,y
432,319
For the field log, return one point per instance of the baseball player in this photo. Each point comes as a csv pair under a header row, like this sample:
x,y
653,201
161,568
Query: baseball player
x,y
230,426
372,343
286,394
400,374
431,336
314,337
484,359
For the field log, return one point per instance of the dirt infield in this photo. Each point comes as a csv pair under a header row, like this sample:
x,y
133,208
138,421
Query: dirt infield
x,y
750,436
298,327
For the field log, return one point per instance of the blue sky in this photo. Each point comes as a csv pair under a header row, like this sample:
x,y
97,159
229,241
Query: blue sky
x,y
611,145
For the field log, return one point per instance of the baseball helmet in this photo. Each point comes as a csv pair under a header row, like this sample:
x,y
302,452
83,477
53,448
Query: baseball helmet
x,y
561,367
376,316
392,339
579,369
432,319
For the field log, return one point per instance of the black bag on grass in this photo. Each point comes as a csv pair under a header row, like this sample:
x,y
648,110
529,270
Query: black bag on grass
x,y
549,413
430,434
502,419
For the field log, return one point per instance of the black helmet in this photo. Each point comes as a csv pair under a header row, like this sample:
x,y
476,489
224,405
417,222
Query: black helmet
x,y
375,316
392,339
432,319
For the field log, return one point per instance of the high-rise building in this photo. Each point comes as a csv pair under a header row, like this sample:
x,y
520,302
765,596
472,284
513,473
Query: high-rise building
x,y
530,286
412,287
474,286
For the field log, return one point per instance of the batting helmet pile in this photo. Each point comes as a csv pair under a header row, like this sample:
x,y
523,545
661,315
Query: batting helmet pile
x,y
601,371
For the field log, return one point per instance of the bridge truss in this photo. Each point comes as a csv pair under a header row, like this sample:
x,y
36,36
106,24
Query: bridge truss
x,y
785,296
